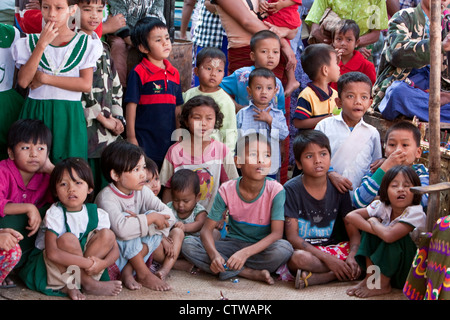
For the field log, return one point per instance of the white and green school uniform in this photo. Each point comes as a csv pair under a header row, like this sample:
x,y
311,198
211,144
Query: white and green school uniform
x,y
60,109
11,100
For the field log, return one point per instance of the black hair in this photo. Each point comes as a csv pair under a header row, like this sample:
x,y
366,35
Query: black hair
x,y
151,166
409,174
209,52
103,2
198,101
314,57
69,2
262,35
183,179
345,25
141,30
78,165
351,77
307,137
120,156
407,126
261,72
29,130
244,141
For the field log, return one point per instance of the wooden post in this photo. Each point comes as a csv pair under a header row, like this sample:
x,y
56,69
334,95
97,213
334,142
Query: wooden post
x,y
434,165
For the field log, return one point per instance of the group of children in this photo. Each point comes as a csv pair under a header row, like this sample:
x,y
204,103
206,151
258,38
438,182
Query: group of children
x,y
145,205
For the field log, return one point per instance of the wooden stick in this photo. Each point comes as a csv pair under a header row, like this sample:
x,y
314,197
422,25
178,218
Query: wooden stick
x,y
434,165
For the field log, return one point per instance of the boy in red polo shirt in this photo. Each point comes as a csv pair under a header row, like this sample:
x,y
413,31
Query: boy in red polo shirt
x,y
345,40
154,95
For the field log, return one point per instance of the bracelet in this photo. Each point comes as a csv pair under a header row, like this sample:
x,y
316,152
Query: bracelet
x,y
122,119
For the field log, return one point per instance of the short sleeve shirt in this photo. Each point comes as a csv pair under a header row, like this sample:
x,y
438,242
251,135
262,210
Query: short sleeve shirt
x,y
320,222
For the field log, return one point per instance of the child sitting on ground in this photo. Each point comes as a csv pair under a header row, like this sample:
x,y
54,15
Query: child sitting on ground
x,y
261,116
152,181
210,68
324,247
75,235
254,247
138,218
401,146
386,226
355,144
317,100
24,181
190,214
265,52
345,40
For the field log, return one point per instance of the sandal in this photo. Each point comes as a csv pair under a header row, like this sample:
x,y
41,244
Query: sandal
x,y
299,278
7,283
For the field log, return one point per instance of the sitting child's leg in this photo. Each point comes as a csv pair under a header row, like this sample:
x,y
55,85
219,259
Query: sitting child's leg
x,y
102,244
169,258
8,260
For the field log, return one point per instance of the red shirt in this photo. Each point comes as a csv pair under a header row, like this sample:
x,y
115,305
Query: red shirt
x,y
287,17
357,63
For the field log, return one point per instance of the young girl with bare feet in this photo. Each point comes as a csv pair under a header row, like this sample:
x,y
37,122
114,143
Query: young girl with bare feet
x,y
253,247
74,245
315,210
386,240
139,219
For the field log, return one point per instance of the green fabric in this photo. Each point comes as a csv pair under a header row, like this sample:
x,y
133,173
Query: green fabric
x,y
34,273
394,259
65,119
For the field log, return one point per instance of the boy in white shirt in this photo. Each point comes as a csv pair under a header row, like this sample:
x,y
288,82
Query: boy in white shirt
x,y
354,143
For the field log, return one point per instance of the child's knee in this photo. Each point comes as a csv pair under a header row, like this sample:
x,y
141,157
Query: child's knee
x,y
68,242
177,234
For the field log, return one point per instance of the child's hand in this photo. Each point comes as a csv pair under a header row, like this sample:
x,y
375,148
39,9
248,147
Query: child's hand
x,y
217,264
237,260
47,167
396,158
263,6
96,267
339,53
339,267
341,183
38,80
48,34
34,219
180,225
160,220
33,5
262,115
167,243
376,164
9,238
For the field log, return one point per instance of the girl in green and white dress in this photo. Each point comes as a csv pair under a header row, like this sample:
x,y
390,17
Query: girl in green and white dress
x,y
11,100
57,65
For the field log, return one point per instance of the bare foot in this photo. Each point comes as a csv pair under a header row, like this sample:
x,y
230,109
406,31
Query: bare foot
x,y
162,274
365,292
74,294
130,282
103,288
291,87
153,282
259,275
351,291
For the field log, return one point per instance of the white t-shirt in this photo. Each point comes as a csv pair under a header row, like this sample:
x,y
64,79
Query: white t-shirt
x,y
80,53
77,221
413,215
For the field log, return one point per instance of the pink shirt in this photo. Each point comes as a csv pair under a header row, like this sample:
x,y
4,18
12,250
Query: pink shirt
x,y
13,189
